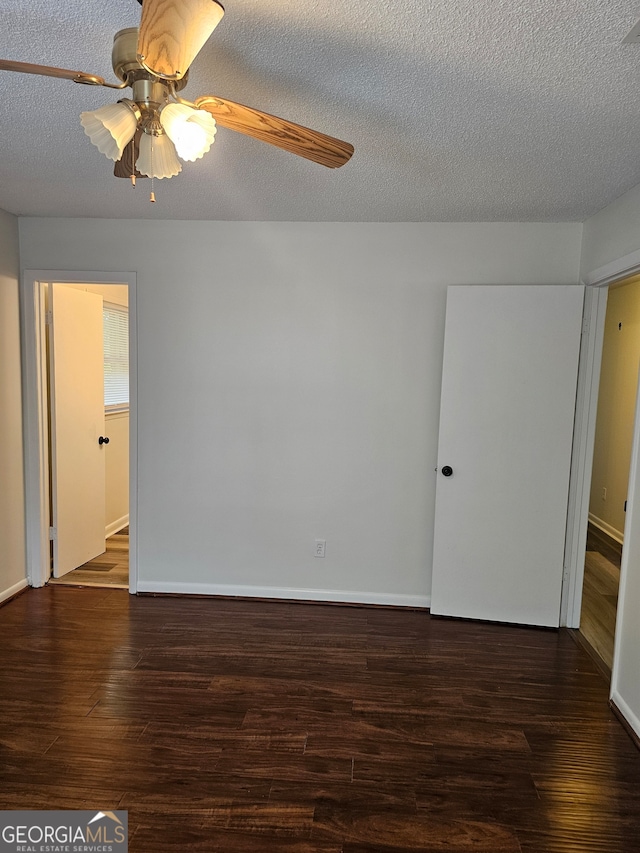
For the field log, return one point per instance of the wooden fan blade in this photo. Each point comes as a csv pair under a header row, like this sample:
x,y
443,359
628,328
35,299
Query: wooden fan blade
x,y
295,138
52,71
172,32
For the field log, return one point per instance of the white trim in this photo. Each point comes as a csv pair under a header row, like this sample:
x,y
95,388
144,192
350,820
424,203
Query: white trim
x,y
6,594
116,526
621,706
611,532
595,307
133,434
36,430
289,593
611,272
597,283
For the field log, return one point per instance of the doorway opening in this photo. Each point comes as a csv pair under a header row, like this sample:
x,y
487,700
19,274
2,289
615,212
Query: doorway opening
x,y
108,569
610,470
88,380
60,540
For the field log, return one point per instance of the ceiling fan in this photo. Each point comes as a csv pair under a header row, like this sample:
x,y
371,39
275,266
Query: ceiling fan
x,y
148,134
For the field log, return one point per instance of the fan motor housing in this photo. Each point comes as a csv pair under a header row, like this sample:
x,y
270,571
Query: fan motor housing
x,y
124,59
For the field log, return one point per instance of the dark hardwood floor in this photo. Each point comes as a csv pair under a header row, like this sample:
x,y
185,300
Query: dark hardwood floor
x,y
243,726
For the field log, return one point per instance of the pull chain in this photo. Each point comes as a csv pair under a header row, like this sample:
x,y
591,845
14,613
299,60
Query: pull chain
x,y
152,197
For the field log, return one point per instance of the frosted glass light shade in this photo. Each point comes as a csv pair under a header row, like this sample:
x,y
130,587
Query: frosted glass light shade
x,y
191,131
157,157
110,128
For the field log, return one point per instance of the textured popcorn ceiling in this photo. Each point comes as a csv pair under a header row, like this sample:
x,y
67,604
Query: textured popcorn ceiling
x,y
459,110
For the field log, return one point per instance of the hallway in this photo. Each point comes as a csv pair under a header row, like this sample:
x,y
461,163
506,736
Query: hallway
x,y
109,569
600,595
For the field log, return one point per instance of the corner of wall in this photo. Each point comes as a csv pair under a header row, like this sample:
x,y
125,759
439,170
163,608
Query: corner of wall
x,y
13,566
611,234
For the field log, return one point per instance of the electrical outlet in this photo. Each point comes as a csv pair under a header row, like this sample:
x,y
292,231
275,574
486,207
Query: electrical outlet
x,y
604,493
320,546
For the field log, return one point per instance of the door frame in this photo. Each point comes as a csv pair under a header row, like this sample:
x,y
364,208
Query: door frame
x,y
36,421
597,284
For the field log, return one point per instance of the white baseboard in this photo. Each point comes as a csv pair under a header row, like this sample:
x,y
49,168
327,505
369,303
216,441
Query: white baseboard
x,y
606,528
13,590
288,593
116,526
630,718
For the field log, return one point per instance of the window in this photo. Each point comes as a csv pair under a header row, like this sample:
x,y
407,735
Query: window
x,y
116,357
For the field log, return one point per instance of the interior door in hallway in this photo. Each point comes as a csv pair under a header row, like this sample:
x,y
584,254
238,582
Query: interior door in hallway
x,y
506,430
76,384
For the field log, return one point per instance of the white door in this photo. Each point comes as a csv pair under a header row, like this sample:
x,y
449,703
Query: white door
x,y
506,428
76,384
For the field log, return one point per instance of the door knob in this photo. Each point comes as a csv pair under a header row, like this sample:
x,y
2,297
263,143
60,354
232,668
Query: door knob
x,y
447,470
103,440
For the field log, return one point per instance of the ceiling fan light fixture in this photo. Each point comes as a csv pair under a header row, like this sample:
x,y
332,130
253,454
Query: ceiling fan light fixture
x,y
191,131
147,134
157,157
111,127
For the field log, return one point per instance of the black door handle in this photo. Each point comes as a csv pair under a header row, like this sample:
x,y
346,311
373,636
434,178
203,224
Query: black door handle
x,y
447,470
103,440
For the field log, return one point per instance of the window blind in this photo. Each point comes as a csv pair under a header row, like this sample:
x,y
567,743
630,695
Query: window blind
x,y
116,357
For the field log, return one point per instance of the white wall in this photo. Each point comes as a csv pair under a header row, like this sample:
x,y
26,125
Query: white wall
x,y
289,381
117,294
612,233
116,461
12,524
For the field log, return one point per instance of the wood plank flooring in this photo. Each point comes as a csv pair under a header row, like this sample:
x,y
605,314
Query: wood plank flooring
x,y
599,605
243,726
600,595
109,569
